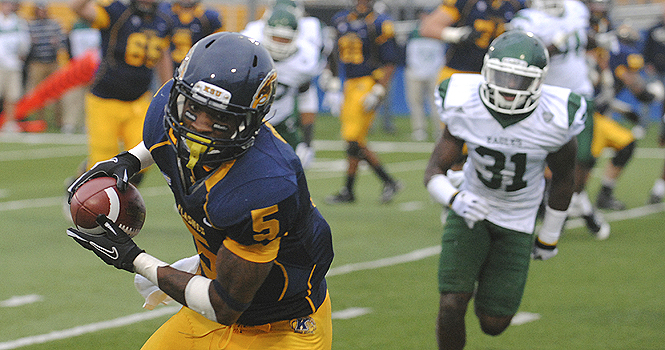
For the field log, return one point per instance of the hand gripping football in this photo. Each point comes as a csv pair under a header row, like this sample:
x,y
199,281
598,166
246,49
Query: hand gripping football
x,y
101,196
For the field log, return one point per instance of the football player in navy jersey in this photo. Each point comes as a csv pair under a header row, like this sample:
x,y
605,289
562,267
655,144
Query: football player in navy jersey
x,y
368,53
263,247
468,26
192,21
135,43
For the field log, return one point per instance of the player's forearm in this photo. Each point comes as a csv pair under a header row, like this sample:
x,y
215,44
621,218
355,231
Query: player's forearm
x,y
196,292
165,66
386,74
84,9
222,300
434,23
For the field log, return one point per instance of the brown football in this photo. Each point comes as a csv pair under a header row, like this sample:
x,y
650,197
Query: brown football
x,y
101,196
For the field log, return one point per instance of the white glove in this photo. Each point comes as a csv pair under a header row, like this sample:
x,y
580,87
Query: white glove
x,y
373,97
306,154
456,177
471,207
333,101
455,35
656,89
152,294
560,41
329,82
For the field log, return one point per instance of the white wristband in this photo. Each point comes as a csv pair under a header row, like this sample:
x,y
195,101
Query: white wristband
x,y
441,189
454,35
146,265
197,297
552,225
142,153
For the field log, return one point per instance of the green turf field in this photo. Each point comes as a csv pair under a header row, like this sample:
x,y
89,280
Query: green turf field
x,y
593,295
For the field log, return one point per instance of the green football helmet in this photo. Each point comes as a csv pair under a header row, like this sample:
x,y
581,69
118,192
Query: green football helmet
x,y
280,33
514,68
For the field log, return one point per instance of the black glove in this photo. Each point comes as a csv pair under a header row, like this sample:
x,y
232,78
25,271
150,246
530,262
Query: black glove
x,y
122,167
114,246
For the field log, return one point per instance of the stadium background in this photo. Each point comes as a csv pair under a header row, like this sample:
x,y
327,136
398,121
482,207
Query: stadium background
x,y
236,13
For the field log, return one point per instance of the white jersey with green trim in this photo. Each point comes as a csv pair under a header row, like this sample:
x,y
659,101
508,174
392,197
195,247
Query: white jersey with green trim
x,y
506,164
568,68
293,73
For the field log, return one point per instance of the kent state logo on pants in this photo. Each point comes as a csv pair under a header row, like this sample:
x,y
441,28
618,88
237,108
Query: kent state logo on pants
x,y
305,325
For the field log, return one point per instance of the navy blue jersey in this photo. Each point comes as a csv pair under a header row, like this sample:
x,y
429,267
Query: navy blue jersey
x,y
190,26
487,18
627,59
365,44
259,202
131,47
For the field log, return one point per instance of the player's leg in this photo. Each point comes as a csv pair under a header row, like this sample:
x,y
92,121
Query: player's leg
x,y
131,133
354,128
313,333
415,99
189,330
610,134
503,278
103,119
390,185
658,190
590,142
463,252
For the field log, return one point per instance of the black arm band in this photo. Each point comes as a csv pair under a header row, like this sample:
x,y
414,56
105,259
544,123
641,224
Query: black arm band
x,y
542,245
452,199
228,299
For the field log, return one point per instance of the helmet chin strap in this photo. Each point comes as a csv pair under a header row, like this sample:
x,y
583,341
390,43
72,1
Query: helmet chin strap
x,y
195,149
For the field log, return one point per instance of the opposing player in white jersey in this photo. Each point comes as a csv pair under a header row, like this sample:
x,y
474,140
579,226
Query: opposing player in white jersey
x,y
308,33
297,63
563,26
513,126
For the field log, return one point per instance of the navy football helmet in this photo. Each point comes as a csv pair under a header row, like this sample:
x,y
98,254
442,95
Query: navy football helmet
x,y
233,75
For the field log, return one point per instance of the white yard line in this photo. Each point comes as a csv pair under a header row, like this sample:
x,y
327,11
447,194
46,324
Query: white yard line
x,y
415,255
19,300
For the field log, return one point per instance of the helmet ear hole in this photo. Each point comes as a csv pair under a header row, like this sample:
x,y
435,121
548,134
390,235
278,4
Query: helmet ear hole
x,y
256,61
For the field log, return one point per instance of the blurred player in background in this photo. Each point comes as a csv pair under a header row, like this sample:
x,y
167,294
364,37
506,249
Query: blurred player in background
x,y
468,27
297,63
15,44
367,52
513,127
263,247
563,26
192,21
654,57
135,43
313,32
424,59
